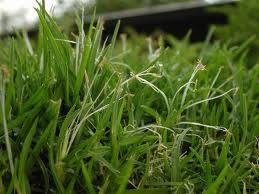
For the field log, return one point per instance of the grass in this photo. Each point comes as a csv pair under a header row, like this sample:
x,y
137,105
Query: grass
x,y
128,116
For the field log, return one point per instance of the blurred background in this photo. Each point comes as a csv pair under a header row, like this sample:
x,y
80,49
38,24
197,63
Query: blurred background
x,y
21,14
172,16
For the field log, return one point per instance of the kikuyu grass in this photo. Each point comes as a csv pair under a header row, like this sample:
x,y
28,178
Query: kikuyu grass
x,y
87,116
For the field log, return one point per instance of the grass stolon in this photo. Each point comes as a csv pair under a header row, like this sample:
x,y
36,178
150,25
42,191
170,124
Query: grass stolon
x,y
91,117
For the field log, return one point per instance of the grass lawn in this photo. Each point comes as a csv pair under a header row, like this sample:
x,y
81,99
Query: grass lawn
x,y
87,116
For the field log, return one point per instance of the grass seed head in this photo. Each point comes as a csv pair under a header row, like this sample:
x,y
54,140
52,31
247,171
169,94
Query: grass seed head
x,y
200,66
5,71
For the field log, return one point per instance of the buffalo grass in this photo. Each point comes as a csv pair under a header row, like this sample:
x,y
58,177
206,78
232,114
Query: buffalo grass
x,y
87,116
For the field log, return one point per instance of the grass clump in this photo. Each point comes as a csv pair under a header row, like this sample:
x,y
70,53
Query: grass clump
x,y
242,24
84,116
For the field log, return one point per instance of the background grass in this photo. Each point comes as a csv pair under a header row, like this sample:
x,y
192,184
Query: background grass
x,y
84,116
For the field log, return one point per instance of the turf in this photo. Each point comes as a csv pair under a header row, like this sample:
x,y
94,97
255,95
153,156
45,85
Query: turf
x,y
126,116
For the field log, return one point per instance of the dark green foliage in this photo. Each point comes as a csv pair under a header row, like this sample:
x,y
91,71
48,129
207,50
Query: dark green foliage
x,y
242,25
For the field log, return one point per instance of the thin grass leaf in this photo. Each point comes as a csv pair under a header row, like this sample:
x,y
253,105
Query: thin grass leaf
x,y
24,156
213,188
125,175
88,180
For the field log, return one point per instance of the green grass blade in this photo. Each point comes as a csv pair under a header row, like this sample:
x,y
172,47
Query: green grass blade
x,y
125,175
213,188
88,180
